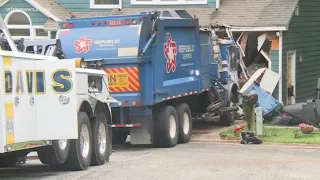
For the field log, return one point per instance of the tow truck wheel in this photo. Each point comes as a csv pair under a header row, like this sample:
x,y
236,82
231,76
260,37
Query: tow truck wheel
x,y
57,153
185,122
100,139
81,149
8,160
167,127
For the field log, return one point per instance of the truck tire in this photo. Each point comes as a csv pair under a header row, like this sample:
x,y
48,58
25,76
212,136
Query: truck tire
x,y
185,122
81,149
228,118
119,136
9,160
167,127
57,153
100,138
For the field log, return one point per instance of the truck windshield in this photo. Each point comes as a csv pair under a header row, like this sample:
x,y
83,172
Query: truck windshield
x,y
101,42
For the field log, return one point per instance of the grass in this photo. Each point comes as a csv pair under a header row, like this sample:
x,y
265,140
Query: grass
x,y
280,135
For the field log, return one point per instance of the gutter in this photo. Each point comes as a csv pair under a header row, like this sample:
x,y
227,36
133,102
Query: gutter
x,y
267,28
217,4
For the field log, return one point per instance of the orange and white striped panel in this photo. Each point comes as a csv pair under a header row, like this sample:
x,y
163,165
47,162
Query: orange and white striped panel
x,y
125,79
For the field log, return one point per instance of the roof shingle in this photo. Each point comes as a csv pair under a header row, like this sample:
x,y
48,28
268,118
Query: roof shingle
x,y
234,13
254,13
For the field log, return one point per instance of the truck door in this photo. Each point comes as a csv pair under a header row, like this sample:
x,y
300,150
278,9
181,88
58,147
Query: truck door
x,y
20,112
57,106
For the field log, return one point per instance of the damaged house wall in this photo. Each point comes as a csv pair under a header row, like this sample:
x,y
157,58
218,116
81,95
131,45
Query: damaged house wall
x,y
304,38
259,49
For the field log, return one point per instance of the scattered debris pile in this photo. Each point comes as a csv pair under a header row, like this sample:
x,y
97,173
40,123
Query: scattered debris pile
x,y
306,112
263,83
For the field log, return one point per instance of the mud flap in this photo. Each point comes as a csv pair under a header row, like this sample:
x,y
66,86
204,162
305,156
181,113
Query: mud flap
x,y
143,134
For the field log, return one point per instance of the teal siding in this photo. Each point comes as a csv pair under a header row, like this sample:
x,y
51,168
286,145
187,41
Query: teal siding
x,y
304,37
84,5
274,56
37,17
211,4
79,6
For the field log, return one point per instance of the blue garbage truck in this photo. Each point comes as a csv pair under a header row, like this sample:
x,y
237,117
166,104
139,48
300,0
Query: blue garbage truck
x,y
161,70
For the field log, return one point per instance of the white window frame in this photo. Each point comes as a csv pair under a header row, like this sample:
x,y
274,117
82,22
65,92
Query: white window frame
x,y
177,2
30,27
105,6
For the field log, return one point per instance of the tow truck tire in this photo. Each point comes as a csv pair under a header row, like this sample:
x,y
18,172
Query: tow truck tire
x,y
81,149
167,127
100,137
8,160
57,153
185,122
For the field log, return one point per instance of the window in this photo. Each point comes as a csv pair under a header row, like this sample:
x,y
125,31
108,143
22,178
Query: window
x,y
105,4
20,26
167,2
41,33
183,14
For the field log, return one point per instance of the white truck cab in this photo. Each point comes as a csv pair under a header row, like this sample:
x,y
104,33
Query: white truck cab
x,y
52,107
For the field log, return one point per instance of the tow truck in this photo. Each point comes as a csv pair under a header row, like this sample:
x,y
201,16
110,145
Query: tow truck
x,y
52,107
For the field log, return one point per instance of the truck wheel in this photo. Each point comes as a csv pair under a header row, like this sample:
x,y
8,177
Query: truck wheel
x,y
100,139
119,136
8,160
81,149
228,118
57,153
167,127
185,122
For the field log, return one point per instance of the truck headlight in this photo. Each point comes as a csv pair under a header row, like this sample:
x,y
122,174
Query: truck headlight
x,y
197,73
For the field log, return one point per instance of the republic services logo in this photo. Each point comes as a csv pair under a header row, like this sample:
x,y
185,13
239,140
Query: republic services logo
x,y
82,45
170,53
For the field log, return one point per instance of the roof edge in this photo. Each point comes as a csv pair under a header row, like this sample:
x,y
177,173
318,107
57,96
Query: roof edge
x,y
3,2
43,10
292,14
267,28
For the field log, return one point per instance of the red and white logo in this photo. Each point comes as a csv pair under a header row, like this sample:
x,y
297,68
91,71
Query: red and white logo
x,y
170,52
82,45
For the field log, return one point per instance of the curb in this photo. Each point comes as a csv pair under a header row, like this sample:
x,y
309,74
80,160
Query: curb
x,y
266,144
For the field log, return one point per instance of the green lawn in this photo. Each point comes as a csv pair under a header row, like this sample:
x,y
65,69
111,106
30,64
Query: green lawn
x,y
281,135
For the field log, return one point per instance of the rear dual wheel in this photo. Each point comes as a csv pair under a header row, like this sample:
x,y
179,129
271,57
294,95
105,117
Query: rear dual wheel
x,y
185,122
55,154
173,125
92,146
167,127
81,149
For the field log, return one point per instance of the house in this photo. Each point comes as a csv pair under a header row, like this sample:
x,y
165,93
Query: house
x,y
287,32
38,19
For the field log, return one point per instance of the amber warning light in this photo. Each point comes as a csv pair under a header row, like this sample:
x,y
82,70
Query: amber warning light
x,y
115,22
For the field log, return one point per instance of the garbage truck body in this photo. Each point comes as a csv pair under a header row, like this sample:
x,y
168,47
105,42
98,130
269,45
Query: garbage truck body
x,y
160,70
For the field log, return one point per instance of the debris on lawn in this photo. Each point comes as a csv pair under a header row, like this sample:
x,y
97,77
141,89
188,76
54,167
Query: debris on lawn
x,y
263,83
